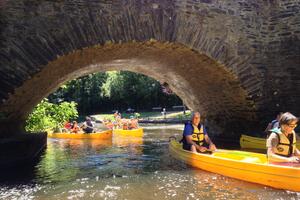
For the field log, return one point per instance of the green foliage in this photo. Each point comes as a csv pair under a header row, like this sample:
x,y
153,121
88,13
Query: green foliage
x,y
127,89
107,91
47,115
114,86
86,91
137,115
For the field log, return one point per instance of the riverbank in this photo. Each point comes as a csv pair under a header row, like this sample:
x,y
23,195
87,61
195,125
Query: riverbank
x,y
171,117
163,121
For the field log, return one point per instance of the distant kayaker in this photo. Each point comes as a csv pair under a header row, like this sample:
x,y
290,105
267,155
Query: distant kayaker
x,y
75,128
281,144
273,124
195,137
133,123
125,124
108,123
67,126
88,126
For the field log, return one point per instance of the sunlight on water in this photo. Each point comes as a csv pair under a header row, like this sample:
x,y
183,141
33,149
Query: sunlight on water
x,y
125,168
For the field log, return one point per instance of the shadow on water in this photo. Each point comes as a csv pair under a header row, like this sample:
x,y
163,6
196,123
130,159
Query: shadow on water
x,y
24,173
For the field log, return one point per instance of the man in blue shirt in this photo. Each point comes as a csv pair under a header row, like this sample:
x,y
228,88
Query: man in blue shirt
x,y
195,137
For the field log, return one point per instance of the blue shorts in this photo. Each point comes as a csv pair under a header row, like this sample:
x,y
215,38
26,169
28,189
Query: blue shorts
x,y
187,146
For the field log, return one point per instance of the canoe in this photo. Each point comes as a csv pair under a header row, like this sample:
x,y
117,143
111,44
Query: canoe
x,y
133,132
104,135
249,142
247,166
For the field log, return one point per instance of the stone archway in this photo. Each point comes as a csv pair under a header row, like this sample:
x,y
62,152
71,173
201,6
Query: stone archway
x,y
256,45
202,83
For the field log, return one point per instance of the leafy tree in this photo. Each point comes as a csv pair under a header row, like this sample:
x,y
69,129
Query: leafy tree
x,y
127,89
106,91
86,91
47,115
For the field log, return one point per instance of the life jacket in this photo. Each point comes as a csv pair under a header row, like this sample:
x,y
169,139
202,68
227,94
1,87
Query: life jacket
x,y
197,135
285,147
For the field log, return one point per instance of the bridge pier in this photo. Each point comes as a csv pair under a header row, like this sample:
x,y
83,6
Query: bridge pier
x,y
18,148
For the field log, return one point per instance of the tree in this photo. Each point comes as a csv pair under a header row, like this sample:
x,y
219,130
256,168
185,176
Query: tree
x,y
86,91
47,115
102,92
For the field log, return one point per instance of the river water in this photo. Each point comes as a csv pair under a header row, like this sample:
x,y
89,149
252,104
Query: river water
x,y
124,168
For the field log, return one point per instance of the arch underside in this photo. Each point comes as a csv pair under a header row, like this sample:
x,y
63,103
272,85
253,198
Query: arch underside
x,y
202,83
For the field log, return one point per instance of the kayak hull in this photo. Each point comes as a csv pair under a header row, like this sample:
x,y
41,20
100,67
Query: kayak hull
x,y
249,142
104,135
133,132
247,166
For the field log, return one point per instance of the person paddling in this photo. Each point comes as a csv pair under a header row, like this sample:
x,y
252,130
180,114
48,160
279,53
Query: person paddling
x,y
195,137
88,126
281,144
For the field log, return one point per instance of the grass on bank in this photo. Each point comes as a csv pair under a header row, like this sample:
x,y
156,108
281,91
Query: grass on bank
x,y
149,115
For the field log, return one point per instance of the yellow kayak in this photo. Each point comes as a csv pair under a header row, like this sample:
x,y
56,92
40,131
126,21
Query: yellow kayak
x,y
133,132
249,142
247,166
104,135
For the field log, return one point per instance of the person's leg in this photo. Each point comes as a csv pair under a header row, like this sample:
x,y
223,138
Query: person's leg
x,y
89,131
189,147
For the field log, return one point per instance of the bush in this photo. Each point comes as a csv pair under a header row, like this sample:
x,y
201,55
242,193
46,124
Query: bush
x,y
47,116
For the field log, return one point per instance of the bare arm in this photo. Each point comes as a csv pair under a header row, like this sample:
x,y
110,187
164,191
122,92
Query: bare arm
x,y
212,146
276,158
297,152
208,140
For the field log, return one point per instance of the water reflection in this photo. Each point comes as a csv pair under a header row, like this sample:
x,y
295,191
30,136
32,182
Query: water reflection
x,y
127,168
124,141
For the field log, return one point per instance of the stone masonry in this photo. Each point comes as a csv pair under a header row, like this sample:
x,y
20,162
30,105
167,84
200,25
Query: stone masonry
x,y
236,61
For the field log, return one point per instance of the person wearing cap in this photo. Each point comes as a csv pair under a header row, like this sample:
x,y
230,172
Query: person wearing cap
x,y
281,144
195,137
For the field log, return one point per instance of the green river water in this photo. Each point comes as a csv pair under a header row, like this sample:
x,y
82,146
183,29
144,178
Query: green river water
x,y
124,168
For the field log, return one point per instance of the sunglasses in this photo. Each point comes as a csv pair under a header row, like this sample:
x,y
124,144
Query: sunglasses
x,y
292,125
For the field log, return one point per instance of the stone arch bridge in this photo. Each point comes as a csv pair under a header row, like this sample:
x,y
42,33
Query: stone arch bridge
x,y
238,62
